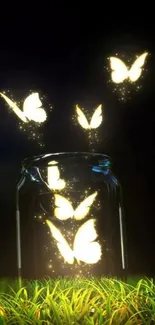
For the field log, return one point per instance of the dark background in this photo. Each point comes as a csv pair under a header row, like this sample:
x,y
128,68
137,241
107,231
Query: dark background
x,y
62,53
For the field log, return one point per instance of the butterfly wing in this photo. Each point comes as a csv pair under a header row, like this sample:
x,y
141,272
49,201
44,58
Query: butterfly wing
x,y
62,244
15,108
85,249
120,71
53,176
32,110
81,118
136,68
84,207
63,210
96,118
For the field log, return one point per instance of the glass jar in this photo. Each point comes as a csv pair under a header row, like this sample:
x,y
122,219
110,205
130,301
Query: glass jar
x,y
71,217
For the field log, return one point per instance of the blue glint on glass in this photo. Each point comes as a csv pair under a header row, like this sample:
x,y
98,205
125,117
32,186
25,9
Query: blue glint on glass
x,y
104,168
104,163
98,169
33,178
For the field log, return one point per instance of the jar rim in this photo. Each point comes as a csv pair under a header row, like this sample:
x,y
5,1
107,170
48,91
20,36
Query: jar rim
x,y
35,160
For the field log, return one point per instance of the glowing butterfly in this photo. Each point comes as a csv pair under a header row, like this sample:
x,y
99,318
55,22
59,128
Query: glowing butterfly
x,y
32,110
96,119
85,249
53,176
121,72
64,209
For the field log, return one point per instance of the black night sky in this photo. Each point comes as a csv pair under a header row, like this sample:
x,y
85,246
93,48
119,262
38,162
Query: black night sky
x,y
62,55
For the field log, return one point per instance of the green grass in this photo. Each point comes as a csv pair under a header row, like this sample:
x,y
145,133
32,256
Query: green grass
x,y
78,301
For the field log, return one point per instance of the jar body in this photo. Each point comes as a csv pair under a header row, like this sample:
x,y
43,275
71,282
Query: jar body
x,y
70,216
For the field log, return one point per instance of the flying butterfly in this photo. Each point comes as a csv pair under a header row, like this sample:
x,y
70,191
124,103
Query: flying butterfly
x,y
53,176
32,110
64,209
96,119
85,249
120,71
